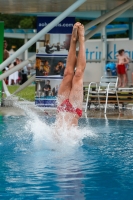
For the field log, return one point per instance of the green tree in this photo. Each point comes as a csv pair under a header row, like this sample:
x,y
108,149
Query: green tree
x,y
15,22
27,23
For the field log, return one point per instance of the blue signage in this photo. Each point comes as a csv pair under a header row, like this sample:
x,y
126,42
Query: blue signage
x,y
46,102
96,53
64,27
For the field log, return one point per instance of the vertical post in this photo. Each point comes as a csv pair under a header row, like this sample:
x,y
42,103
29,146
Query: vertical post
x,y
131,28
104,48
26,51
37,47
1,53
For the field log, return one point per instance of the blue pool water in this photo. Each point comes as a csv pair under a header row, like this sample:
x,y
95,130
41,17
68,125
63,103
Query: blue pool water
x,y
97,165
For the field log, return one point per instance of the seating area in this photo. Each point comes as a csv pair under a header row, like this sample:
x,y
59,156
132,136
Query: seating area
x,y
106,92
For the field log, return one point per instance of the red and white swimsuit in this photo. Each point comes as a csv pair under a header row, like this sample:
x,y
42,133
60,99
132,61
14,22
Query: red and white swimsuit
x,y
68,107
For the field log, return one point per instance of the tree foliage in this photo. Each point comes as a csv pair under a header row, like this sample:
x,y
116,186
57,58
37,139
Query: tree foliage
x,y
15,22
27,23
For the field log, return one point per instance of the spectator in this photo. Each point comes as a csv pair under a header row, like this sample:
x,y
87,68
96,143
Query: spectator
x,y
24,74
13,78
122,61
19,72
5,79
127,67
4,70
6,53
5,56
18,60
29,68
47,88
33,70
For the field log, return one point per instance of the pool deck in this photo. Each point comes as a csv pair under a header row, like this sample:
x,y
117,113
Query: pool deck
x,y
125,114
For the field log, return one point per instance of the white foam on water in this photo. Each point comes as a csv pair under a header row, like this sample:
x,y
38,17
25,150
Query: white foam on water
x,y
46,135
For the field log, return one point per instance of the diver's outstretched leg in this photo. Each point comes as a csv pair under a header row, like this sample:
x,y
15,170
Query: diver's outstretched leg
x,y
66,84
76,95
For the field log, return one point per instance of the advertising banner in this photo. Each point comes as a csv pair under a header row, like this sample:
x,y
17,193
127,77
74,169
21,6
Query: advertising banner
x,y
64,27
94,49
52,52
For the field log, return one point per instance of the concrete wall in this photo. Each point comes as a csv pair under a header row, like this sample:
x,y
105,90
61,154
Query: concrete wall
x,y
93,72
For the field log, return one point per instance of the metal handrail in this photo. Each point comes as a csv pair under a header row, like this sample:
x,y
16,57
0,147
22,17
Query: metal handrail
x,y
108,88
88,94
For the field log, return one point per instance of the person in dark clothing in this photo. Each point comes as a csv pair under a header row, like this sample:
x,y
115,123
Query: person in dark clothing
x,y
24,78
47,88
48,48
24,74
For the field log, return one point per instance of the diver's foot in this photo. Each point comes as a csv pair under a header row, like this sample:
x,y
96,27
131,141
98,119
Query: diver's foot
x,y
81,33
75,32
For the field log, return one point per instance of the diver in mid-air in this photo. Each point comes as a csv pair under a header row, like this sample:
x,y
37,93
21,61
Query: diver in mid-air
x,y
70,94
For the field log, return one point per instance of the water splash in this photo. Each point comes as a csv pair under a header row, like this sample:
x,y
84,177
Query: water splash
x,y
45,134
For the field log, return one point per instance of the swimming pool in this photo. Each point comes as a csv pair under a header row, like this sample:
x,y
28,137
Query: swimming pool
x,y
95,166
